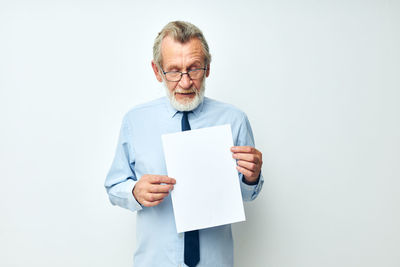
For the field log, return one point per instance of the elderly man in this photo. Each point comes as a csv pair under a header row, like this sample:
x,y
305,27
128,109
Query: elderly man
x,y
137,179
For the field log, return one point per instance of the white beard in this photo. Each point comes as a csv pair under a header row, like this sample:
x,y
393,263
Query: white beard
x,y
190,104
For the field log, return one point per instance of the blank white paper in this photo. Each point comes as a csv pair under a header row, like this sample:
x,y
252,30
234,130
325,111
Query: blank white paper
x,y
207,190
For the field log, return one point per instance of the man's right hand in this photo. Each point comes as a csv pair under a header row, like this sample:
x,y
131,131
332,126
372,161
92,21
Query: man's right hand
x,y
149,191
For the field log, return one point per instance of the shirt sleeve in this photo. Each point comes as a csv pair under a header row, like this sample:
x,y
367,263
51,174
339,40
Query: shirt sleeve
x,y
121,177
245,138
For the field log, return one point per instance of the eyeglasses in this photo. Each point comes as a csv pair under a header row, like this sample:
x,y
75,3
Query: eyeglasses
x,y
176,76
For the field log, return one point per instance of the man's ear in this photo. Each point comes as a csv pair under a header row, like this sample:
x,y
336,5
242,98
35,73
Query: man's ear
x,y
208,70
156,71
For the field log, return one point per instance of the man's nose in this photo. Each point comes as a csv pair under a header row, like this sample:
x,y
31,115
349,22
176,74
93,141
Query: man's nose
x,y
185,82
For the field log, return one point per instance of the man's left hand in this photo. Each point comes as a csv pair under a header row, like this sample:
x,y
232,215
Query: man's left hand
x,y
249,161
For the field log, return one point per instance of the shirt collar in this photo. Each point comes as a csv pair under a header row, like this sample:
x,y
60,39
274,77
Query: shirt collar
x,y
172,111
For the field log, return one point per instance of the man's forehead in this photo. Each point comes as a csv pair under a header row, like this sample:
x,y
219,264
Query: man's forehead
x,y
172,48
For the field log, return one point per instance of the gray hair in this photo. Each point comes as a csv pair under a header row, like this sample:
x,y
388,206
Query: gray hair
x,y
182,32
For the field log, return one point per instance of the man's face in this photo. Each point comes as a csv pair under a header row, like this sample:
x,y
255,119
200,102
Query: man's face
x,y
187,93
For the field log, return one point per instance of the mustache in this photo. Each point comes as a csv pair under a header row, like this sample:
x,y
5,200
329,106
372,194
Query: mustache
x,y
185,91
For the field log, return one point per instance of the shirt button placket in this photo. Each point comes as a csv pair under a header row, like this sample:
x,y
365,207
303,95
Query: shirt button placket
x,y
180,250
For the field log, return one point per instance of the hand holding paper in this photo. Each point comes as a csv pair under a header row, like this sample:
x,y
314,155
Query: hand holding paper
x,y
149,191
249,162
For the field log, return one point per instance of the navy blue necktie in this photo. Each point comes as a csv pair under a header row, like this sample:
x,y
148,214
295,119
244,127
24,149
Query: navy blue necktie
x,y
192,247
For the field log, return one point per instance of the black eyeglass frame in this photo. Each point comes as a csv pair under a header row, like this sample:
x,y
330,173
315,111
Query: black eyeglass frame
x,y
182,73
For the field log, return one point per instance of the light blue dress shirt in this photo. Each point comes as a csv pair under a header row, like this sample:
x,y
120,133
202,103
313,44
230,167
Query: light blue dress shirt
x,y
140,152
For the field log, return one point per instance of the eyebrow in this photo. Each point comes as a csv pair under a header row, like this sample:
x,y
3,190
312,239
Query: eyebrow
x,y
174,66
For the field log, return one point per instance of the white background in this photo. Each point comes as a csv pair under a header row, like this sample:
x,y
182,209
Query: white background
x,y
319,81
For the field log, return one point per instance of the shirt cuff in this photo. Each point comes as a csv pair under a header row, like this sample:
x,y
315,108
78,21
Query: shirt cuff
x,y
121,195
251,191
251,183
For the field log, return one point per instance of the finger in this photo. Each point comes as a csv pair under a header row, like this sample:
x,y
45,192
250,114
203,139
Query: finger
x,y
160,188
247,157
245,171
151,197
243,149
248,165
151,204
157,179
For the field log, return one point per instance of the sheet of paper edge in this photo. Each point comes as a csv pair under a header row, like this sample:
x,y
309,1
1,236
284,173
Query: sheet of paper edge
x,y
243,215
